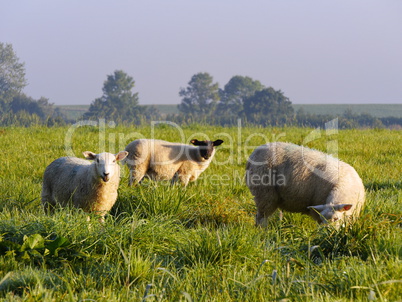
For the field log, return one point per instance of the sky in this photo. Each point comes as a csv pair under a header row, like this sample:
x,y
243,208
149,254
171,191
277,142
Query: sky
x,y
314,51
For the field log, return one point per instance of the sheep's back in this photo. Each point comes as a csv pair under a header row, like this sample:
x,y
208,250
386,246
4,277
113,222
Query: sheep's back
x,y
301,176
65,167
159,152
64,175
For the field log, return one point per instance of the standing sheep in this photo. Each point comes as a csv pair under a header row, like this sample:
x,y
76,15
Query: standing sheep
x,y
78,182
161,160
297,179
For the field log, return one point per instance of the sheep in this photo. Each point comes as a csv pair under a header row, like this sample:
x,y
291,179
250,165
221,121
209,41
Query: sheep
x,y
162,160
298,179
78,182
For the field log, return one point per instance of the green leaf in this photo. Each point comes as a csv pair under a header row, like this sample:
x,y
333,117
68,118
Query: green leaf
x,y
35,241
58,243
10,254
25,256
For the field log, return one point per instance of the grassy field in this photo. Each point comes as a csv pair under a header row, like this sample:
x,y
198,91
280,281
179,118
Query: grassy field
x,y
169,243
377,110
73,112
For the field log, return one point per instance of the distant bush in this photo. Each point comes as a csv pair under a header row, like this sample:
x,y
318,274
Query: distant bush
x,y
25,111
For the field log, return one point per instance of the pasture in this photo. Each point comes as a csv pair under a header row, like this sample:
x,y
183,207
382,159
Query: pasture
x,y
199,243
73,112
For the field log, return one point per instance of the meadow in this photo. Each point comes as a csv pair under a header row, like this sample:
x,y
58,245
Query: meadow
x,y
376,110
169,243
73,112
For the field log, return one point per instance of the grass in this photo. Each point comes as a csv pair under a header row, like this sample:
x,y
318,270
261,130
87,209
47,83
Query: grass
x,y
169,243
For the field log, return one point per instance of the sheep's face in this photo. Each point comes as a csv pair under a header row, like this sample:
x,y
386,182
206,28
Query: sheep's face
x,y
105,163
206,148
333,214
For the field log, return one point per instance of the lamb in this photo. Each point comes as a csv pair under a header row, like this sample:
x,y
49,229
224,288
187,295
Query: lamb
x,y
162,160
298,179
78,182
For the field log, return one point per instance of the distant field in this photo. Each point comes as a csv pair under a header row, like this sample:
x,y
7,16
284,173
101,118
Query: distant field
x,y
73,112
167,109
377,110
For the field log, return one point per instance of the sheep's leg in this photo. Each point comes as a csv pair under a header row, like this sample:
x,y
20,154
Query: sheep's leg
x,y
261,218
267,204
47,206
184,178
174,179
48,202
136,175
131,178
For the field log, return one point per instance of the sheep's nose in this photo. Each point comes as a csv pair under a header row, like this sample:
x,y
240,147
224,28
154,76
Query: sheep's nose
x,y
105,177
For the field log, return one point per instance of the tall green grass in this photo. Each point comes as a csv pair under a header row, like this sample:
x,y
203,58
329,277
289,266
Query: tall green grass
x,y
199,243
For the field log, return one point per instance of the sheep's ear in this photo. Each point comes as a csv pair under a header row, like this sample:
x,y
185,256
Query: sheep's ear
x,y
217,142
319,208
343,207
195,142
121,155
89,155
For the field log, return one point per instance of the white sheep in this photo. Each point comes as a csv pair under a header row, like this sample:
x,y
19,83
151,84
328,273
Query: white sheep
x,y
297,179
162,160
78,182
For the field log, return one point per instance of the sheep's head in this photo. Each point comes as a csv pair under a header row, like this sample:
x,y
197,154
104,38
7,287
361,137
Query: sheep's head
x,y
206,147
332,213
105,163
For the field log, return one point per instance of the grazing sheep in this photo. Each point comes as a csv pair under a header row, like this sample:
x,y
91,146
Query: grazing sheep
x,y
78,182
161,160
297,179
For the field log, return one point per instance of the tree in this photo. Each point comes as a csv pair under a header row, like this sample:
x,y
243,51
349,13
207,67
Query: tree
x,y
235,91
12,75
41,107
26,111
200,96
16,107
12,72
268,106
118,102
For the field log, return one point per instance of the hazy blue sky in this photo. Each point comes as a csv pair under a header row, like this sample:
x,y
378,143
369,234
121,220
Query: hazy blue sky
x,y
340,51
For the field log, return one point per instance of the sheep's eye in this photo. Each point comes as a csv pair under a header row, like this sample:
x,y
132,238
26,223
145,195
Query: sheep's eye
x,y
114,161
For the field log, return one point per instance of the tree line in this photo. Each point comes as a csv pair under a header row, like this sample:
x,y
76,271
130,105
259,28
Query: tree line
x,y
255,104
242,97
202,102
16,108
